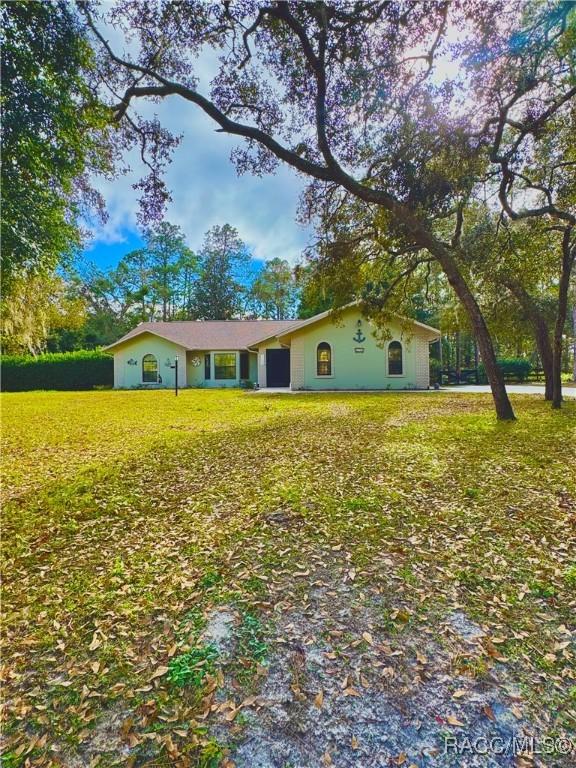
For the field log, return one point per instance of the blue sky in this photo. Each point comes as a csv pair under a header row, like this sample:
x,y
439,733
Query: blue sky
x,y
206,191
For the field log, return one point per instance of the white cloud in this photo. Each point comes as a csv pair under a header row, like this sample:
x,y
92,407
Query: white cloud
x,y
206,190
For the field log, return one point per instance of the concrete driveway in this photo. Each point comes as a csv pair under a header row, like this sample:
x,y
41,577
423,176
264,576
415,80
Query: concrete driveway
x,y
568,390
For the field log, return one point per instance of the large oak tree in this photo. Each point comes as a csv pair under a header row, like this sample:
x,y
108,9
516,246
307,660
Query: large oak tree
x,y
397,104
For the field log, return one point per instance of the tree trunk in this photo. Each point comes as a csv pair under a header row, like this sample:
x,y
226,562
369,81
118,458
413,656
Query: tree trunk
x,y
504,410
476,360
568,255
540,328
574,343
502,404
458,361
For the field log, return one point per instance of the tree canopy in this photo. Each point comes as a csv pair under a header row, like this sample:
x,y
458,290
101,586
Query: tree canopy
x,y
54,134
218,292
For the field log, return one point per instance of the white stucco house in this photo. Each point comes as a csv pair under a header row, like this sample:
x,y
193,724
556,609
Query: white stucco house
x,y
326,351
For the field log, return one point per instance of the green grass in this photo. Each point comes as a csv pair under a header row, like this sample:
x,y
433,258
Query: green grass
x,y
129,515
190,669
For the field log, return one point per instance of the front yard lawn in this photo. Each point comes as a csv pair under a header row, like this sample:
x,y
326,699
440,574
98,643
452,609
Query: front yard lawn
x,y
227,578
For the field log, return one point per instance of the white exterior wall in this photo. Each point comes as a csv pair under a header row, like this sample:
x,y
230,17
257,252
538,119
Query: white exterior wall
x,y
297,363
422,371
128,376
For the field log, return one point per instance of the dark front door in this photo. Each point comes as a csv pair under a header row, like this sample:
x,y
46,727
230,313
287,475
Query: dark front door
x,y
277,367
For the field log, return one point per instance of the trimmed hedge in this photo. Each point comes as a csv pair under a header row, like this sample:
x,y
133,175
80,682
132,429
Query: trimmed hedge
x,y
513,368
84,369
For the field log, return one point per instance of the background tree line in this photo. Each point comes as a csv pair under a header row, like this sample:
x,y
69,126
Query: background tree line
x,y
84,307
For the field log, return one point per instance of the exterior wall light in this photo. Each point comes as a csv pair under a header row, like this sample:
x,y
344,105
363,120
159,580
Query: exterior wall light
x,y
132,361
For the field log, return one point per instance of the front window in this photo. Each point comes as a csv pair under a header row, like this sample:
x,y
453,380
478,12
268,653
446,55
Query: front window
x,y
225,365
207,365
324,359
149,369
395,358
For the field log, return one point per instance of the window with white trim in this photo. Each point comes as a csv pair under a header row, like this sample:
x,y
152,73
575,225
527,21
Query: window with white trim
x,y
224,365
324,359
395,363
149,369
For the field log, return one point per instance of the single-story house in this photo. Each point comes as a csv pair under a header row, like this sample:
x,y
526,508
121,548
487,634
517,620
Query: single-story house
x,y
326,351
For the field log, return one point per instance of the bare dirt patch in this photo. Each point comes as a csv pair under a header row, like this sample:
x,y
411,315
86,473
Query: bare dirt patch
x,y
344,689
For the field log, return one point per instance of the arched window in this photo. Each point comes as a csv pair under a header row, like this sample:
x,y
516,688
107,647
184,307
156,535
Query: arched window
x,y
324,359
394,358
149,369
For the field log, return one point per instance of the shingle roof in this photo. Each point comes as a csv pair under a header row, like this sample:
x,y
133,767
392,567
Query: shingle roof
x,y
238,334
211,334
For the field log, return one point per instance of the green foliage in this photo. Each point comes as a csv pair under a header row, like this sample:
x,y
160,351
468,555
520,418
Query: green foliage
x,y
211,755
218,291
570,576
325,283
84,369
189,669
54,133
514,369
274,292
164,273
542,589
435,368
210,579
250,638
38,307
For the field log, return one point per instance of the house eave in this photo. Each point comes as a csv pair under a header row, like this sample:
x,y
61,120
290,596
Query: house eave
x,y
125,340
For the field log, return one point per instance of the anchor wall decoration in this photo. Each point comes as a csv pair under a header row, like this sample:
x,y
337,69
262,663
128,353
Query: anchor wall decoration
x,y
359,338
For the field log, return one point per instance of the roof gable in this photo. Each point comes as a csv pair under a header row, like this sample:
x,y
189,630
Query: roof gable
x,y
421,328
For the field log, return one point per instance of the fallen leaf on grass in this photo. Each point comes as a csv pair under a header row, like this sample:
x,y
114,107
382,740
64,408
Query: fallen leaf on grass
x,y
159,672
489,712
96,642
451,720
319,699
